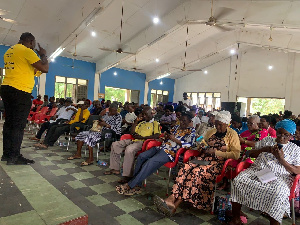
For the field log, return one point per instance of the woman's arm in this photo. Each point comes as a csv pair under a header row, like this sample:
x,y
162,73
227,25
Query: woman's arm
x,y
255,153
278,153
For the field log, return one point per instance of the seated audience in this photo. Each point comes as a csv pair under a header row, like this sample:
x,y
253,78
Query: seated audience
x,y
56,131
129,118
249,137
51,102
159,112
237,124
195,180
63,114
37,101
124,111
281,157
196,121
179,110
96,108
46,102
61,103
110,120
207,123
148,162
141,130
168,120
265,124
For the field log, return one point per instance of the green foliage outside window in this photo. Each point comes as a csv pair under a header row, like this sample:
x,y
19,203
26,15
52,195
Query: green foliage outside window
x,y
267,105
114,94
59,90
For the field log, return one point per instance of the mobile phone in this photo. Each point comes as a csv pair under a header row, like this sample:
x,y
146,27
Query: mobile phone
x,y
200,162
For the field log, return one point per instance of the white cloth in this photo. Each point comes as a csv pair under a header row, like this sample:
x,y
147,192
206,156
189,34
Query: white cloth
x,y
272,197
204,119
64,114
196,121
129,118
188,102
223,116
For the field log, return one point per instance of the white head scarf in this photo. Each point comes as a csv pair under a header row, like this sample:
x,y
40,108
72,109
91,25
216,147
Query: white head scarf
x,y
204,119
224,117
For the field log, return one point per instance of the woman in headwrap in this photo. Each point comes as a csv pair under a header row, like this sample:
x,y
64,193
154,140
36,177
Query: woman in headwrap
x,y
195,181
280,156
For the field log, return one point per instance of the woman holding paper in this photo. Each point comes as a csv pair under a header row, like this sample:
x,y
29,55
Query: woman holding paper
x,y
280,160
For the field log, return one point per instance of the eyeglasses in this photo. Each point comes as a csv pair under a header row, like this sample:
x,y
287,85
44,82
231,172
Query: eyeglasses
x,y
248,123
285,136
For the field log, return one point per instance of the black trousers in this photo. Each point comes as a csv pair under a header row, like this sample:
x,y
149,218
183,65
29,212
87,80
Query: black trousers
x,y
17,107
55,132
47,125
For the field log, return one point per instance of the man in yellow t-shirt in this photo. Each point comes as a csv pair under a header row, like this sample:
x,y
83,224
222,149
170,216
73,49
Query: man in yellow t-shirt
x,y
20,64
142,129
56,131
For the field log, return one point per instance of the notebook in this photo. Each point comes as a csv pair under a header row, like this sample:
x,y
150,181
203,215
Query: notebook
x,y
265,175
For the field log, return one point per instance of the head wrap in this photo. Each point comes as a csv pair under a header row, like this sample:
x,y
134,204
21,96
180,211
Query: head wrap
x,y
224,117
288,125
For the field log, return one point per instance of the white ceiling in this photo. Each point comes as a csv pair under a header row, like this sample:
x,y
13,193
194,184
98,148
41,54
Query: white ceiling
x,y
56,23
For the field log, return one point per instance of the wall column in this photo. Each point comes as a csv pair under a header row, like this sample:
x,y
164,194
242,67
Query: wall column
x,y
42,86
97,86
289,80
146,92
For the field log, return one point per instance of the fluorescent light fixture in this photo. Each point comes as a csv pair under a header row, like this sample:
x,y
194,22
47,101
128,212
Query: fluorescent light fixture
x,y
115,73
270,67
93,33
155,20
157,60
161,83
232,51
56,53
52,60
164,75
205,72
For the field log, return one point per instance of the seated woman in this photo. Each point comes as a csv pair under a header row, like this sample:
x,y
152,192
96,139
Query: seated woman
x,y
149,161
110,120
195,182
281,157
254,134
168,120
265,124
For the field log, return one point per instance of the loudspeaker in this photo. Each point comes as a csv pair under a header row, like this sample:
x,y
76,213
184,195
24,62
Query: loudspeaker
x,y
228,106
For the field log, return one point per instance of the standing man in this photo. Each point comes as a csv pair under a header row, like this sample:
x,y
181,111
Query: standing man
x,y
186,102
20,63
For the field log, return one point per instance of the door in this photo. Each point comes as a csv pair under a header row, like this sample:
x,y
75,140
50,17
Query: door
x,y
135,96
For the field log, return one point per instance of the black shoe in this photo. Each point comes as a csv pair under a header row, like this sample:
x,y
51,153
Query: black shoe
x,y
20,160
4,158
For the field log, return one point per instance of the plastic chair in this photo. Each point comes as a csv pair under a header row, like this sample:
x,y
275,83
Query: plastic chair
x,y
32,118
40,118
126,136
245,165
31,113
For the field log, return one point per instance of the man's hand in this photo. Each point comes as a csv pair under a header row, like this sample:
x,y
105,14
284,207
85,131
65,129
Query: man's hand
x,y
137,136
41,51
210,151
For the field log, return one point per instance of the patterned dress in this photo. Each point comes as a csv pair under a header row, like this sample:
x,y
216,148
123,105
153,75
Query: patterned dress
x,y
272,197
92,138
195,183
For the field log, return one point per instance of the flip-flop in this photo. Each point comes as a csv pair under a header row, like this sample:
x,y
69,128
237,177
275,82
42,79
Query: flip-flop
x,y
84,163
73,157
162,206
34,139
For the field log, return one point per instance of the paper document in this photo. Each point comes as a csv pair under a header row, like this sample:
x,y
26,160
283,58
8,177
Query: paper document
x,y
265,175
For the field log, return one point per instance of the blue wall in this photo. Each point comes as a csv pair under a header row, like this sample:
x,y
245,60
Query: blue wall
x,y
62,67
168,85
124,79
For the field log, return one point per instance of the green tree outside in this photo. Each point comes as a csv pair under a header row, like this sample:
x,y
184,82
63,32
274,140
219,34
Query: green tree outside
x,y
114,94
267,105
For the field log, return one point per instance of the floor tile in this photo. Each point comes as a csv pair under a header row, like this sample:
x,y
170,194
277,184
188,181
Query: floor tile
x,y
59,172
98,200
129,205
82,175
67,165
147,215
112,209
30,217
165,221
110,178
127,219
76,184
92,181
102,188
46,163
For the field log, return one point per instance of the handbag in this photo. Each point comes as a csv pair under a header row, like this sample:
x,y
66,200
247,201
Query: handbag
x,y
96,127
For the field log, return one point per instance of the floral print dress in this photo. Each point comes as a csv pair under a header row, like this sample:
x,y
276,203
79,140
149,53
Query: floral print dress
x,y
195,183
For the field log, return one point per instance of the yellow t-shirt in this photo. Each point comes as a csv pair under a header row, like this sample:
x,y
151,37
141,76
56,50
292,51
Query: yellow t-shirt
x,y
19,72
147,129
85,115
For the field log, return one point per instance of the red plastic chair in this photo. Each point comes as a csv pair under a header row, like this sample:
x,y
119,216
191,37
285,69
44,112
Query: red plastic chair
x,y
31,113
43,111
40,118
126,136
242,166
171,165
190,153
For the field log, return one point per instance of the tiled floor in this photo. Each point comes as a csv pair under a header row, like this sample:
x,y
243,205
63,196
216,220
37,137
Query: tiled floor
x,y
55,190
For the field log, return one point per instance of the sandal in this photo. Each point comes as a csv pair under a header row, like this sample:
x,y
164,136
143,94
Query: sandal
x,y
132,191
86,163
122,188
162,206
34,139
110,172
73,157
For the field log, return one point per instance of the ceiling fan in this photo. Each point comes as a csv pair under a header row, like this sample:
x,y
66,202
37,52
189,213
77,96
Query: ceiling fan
x,y
119,50
185,54
4,12
213,20
74,54
135,68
